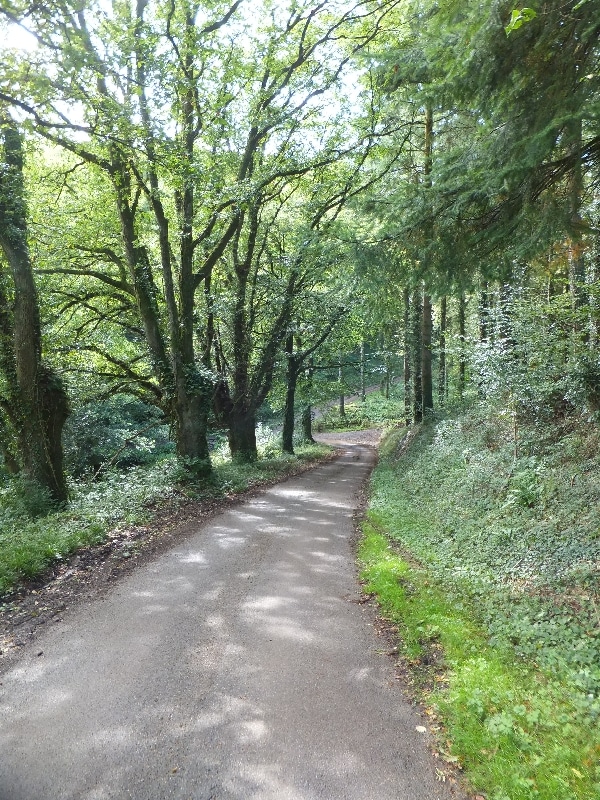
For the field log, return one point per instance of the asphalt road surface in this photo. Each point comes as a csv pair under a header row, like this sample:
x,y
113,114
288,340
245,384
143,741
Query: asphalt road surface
x,y
237,666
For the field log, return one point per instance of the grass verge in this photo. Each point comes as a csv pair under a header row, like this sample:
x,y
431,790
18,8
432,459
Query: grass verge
x,y
29,546
519,729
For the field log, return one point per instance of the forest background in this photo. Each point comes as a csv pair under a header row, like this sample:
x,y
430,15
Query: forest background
x,y
215,217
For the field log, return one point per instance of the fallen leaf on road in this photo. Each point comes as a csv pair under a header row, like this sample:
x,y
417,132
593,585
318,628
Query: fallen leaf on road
x,y
421,729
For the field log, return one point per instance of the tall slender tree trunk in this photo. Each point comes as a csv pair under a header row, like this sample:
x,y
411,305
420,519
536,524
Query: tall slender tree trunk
x,y
426,346
594,296
427,318
408,406
39,404
462,361
363,388
505,303
306,423
442,377
416,327
484,311
287,436
307,415
342,399
575,255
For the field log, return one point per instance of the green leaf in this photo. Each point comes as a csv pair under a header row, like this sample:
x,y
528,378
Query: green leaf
x,y
520,16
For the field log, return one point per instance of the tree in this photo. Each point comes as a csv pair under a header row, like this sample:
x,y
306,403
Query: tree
x,y
35,401
297,361
201,130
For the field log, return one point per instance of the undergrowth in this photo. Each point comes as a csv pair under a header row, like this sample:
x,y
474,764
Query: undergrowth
x,y
506,536
29,544
375,411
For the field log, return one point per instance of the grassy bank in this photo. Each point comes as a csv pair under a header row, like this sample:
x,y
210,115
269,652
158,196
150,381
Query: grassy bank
x,y
487,563
29,545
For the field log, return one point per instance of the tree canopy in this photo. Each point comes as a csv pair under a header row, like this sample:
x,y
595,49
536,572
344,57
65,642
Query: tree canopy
x,y
214,189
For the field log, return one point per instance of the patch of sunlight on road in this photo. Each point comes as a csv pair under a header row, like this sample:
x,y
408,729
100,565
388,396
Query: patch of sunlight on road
x,y
178,585
226,541
267,603
277,529
303,590
113,737
328,556
153,609
264,782
360,675
193,558
245,516
286,628
31,673
329,503
208,720
294,494
252,731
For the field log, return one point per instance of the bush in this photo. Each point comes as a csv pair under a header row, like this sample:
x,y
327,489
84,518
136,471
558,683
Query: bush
x,y
99,432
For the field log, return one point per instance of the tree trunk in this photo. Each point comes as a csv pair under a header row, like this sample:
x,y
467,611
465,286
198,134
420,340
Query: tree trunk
x,y
576,259
462,362
190,412
39,402
287,436
242,437
594,304
505,308
363,391
442,376
426,371
484,311
407,359
416,321
306,422
187,392
342,403
307,415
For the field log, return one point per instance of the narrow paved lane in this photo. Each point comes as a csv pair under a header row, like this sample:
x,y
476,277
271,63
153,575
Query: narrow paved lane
x,y
234,667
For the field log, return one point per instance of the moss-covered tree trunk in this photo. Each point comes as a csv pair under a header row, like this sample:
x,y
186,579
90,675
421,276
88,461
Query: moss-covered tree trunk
x,y
37,401
186,396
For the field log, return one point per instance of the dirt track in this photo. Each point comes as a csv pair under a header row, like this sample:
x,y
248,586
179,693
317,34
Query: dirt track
x,y
239,665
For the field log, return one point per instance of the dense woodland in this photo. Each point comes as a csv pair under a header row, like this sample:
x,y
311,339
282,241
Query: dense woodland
x,y
218,215
205,207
